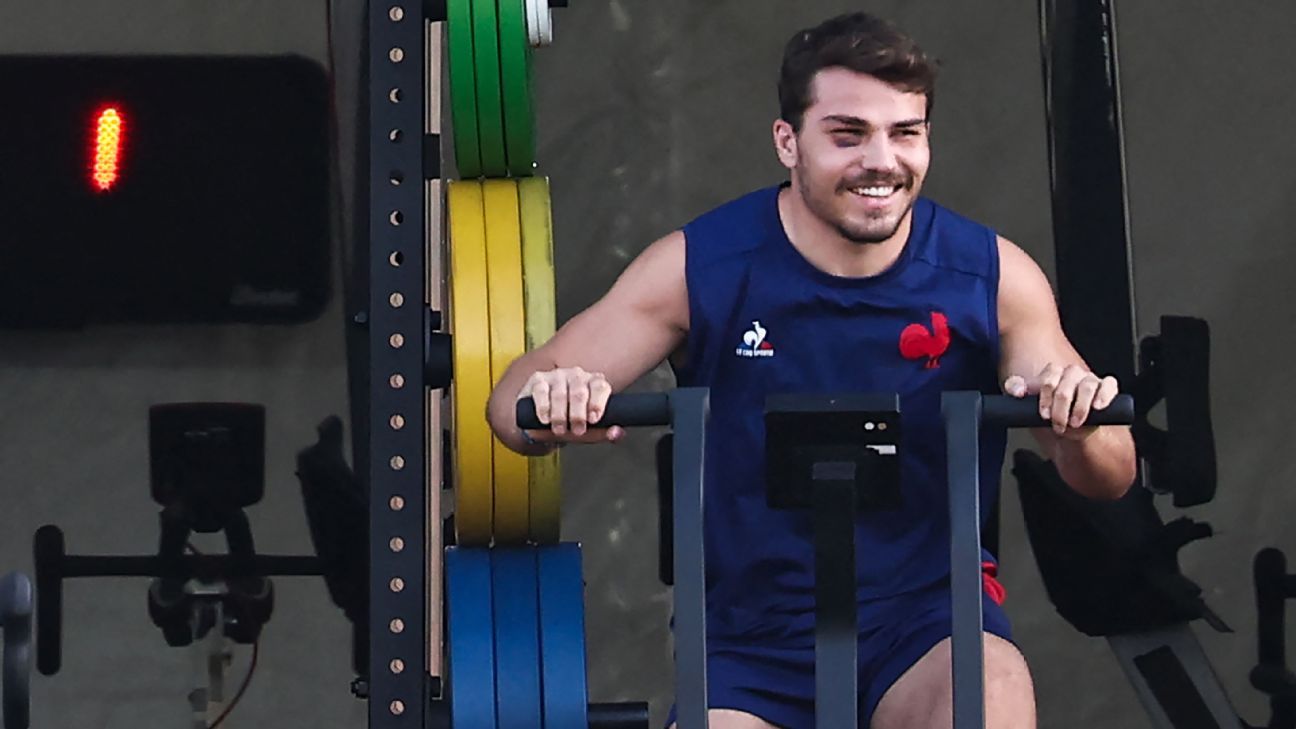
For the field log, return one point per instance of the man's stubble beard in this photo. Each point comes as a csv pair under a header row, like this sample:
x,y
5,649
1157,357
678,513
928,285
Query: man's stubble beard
x,y
824,211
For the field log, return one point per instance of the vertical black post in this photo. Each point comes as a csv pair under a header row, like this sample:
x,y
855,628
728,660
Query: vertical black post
x,y
394,122
836,604
1086,157
961,412
690,409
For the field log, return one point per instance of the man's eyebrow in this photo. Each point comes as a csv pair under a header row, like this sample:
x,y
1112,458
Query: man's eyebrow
x,y
854,121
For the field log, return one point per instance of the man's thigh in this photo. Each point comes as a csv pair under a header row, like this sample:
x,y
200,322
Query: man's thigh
x,y
923,697
731,719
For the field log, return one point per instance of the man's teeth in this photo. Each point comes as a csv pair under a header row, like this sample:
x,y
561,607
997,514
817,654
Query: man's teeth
x,y
875,191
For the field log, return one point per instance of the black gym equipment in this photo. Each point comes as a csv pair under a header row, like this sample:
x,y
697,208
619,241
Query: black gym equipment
x,y
15,622
836,456
337,513
386,346
1274,587
1111,569
824,456
206,467
965,414
686,411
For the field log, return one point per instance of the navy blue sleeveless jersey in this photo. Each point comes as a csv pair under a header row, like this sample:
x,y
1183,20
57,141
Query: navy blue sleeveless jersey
x,y
764,320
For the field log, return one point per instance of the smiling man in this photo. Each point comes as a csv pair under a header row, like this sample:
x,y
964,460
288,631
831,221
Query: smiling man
x,y
843,278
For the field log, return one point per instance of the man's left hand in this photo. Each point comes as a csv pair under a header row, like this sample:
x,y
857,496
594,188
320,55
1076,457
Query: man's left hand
x,y
1067,394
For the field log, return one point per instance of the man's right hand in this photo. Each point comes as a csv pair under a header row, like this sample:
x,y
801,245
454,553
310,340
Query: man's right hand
x,y
570,401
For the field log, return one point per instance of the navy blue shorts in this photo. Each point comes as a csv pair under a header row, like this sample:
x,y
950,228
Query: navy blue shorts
x,y
776,683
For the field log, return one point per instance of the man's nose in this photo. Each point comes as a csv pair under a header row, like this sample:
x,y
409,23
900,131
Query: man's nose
x,y
877,152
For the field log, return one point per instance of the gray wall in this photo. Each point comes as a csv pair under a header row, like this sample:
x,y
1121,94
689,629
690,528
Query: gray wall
x,y
650,113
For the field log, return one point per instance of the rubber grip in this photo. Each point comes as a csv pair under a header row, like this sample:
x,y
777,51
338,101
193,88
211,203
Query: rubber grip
x,y
629,411
1012,412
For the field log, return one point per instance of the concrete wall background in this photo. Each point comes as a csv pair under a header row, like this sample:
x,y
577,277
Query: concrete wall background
x,y
650,113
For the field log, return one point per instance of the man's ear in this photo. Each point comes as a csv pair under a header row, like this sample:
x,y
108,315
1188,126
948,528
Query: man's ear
x,y
785,143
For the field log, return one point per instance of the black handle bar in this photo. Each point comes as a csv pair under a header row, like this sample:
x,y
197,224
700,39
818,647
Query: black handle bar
x,y
627,410
1012,412
650,409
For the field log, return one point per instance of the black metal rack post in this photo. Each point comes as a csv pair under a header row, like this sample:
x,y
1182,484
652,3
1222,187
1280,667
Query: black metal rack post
x,y
394,125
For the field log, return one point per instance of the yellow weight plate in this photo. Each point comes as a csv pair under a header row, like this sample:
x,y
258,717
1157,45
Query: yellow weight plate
x,y
508,342
541,321
470,327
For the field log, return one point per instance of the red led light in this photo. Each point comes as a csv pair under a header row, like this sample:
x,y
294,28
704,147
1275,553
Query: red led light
x,y
109,131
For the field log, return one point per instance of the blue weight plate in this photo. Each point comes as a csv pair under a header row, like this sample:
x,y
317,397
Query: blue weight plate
x,y
517,638
562,637
470,638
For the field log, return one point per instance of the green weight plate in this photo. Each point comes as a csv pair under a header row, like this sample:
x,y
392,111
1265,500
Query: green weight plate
x,y
463,87
490,98
515,70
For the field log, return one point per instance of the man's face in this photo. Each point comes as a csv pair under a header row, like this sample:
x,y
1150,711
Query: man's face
x,y
861,156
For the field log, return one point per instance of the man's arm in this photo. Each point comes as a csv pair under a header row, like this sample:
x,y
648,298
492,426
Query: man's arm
x,y
641,320
1037,357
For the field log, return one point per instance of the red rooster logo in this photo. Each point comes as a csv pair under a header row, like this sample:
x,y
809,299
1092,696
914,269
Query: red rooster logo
x,y
917,341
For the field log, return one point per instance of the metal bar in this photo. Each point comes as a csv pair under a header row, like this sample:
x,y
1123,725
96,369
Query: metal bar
x,y
1095,277
394,120
836,611
962,415
689,414
265,565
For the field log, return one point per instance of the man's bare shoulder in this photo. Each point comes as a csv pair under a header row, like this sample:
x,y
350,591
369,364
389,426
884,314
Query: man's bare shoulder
x,y
1024,290
654,282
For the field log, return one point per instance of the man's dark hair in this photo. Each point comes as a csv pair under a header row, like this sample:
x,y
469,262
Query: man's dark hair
x,y
859,42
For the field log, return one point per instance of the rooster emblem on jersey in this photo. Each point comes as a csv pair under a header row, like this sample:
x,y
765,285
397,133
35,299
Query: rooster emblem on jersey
x,y
754,343
919,342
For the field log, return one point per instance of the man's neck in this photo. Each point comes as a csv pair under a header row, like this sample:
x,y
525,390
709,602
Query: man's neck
x,y
826,249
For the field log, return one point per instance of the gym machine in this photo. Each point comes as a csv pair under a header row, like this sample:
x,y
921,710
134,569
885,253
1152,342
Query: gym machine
x,y
1142,604
823,455
206,467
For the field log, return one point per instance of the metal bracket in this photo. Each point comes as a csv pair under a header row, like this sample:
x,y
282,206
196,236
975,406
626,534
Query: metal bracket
x,y
1174,368
394,124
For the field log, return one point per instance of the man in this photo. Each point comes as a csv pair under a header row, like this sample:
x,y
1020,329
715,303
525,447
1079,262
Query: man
x,y
843,279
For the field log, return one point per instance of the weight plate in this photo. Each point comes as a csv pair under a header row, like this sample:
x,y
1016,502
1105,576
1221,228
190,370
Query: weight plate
x,y
470,638
463,87
533,22
541,321
507,343
562,636
515,70
490,111
517,638
546,23
470,336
